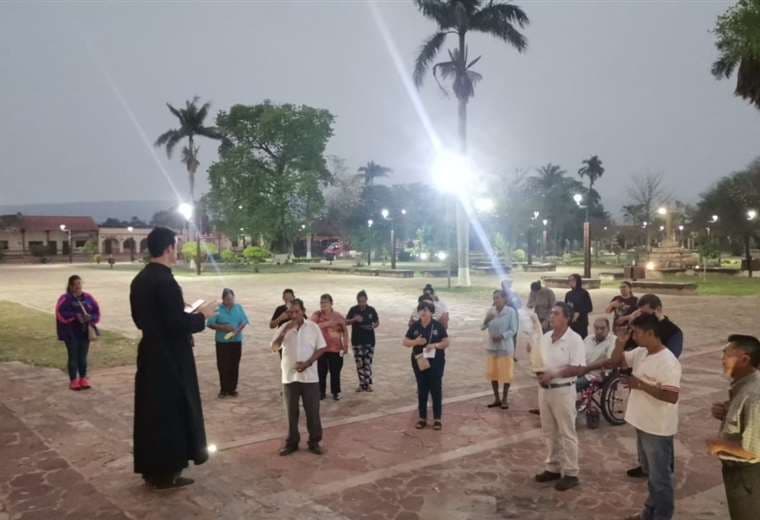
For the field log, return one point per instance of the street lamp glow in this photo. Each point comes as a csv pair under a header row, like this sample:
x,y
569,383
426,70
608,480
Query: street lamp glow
x,y
186,210
424,256
452,173
62,227
384,212
645,224
303,226
662,211
680,227
536,214
545,222
441,255
242,229
240,206
370,222
662,228
650,266
751,214
403,212
484,205
715,218
130,228
578,198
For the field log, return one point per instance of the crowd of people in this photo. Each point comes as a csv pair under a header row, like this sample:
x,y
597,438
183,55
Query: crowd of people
x,y
635,337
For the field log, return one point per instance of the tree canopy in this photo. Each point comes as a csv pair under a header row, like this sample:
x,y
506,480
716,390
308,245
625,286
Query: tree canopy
x,y
738,42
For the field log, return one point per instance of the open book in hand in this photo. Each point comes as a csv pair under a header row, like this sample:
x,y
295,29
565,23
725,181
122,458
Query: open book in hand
x,y
190,309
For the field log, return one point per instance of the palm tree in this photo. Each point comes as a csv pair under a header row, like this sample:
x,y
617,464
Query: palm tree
x,y
458,17
191,119
738,41
593,169
372,171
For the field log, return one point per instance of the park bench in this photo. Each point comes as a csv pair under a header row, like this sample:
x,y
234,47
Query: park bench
x,y
539,268
560,282
658,287
433,273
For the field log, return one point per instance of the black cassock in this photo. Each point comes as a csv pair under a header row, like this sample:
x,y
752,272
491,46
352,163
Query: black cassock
x,y
168,429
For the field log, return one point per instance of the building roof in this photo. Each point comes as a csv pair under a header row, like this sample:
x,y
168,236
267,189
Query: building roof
x,y
47,223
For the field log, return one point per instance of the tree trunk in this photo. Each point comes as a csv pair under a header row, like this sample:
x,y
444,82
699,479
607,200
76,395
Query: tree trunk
x,y
748,254
463,224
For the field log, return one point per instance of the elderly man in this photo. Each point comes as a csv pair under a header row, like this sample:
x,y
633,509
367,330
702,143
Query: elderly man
x,y
564,360
541,300
599,346
738,444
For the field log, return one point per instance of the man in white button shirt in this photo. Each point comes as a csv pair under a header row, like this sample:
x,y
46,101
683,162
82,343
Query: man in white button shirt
x,y
302,345
652,408
599,346
564,358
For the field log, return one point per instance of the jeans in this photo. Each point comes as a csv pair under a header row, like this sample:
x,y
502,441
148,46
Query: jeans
x,y
430,382
77,349
292,394
228,365
742,482
657,452
331,362
363,355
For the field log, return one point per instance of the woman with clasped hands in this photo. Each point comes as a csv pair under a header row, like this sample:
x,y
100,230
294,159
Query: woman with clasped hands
x,y
428,340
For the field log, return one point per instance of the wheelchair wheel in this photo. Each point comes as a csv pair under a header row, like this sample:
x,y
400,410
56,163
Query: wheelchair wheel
x,y
614,400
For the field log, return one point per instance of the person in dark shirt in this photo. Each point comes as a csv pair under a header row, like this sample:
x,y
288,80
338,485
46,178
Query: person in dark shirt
x,y
428,340
580,300
622,305
168,417
281,314
670,335
364,320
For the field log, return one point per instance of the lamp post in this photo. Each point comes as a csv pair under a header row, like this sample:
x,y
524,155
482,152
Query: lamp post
x,y
578,198
71,249
370,222
132,244
186,210
387,216
545,222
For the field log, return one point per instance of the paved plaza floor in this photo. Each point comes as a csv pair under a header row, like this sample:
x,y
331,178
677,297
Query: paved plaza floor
x,y
67,454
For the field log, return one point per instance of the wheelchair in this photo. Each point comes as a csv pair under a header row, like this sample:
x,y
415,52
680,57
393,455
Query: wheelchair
x,y
606,396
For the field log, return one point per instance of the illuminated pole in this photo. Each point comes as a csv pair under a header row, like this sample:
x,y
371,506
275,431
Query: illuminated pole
x,y
543,247
578,198
132,244
369,242
71,250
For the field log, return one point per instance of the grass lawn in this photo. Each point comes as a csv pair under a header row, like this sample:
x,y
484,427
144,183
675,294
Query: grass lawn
x,y
29,336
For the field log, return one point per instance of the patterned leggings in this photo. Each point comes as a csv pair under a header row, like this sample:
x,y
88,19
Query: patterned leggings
x,y
363,355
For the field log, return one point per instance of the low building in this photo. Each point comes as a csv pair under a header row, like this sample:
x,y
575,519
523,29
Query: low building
x,y
24,234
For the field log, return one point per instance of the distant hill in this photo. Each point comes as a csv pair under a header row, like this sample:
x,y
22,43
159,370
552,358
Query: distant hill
x,y
100,211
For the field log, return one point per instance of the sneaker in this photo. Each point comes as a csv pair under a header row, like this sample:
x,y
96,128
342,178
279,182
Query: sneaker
x,y
74,385
336,397
547,476
84,384
566,483
637,472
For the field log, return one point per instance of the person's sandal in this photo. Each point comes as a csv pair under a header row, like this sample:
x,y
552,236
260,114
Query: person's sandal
x,y
437,425
495,404
420,424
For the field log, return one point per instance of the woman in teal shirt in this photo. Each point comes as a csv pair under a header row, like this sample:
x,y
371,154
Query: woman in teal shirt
x,y
229,322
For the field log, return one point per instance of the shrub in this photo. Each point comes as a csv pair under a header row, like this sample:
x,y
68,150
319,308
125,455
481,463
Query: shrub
x,y
519,255
255,255
90,248
230,257
190,250
97,259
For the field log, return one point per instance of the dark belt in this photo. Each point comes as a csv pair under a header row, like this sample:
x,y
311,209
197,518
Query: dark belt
x,y
556,385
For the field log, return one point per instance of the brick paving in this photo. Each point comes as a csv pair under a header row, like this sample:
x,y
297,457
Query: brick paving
x,y
64,452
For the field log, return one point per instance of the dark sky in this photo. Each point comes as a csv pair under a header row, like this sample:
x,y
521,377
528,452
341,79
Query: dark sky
x,y
629,81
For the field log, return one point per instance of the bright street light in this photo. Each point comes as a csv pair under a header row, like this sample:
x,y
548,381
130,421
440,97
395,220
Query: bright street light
x,y
545,222
130,228
650,266
186,210
370,222
403,212
453,173
441,255
662,228
536,214
484,205
662,211
751,214
715,218
384,212
424,256
240,206
578,198
680,227
62,227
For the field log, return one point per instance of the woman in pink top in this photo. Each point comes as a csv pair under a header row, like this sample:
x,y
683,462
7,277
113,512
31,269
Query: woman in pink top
x,y
334,329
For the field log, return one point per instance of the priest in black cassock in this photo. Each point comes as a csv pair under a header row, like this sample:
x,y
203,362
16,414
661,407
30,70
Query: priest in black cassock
x,y
168,429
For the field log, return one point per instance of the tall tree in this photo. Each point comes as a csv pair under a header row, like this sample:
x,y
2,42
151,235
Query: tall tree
x,y
593,169
191,125
738,42
458,18
647,192
272,169
372,171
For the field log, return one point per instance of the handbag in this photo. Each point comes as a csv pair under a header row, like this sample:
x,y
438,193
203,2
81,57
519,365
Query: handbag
x,y
92,332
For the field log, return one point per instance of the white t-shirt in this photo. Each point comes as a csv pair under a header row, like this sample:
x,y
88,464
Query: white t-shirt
x,y
566,351
299,345
598,350
644,412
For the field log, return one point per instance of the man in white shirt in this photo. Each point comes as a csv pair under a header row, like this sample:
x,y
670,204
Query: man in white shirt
x,y
652,409
599,346
564,357
302,345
